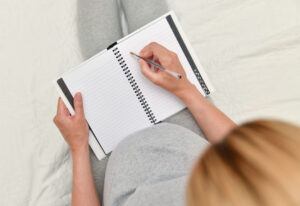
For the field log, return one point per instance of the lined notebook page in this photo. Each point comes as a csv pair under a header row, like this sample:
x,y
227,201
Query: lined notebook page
x,y
110,105
162,103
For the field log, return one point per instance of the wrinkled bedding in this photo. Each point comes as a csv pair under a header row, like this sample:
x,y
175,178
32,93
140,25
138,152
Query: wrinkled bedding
x,y
250,50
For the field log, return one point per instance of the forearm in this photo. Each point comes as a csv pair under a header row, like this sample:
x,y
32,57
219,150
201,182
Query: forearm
x,y
83,189
214,123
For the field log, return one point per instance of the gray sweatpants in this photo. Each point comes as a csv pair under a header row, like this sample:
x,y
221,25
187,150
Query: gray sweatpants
x,y
99,25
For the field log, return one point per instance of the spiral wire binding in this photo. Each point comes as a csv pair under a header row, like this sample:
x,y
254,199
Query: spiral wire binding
x,y
134,85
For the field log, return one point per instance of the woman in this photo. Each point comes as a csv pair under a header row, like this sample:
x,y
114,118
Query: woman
x,y
254,164
152,166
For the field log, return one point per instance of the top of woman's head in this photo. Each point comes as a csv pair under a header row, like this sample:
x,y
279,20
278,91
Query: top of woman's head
x,y
258,163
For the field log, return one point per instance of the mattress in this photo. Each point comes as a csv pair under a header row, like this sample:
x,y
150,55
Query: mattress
x,y
249,49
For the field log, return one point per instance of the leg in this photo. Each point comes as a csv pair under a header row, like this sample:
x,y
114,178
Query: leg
x,y
139,13
185,119
98,25
99,168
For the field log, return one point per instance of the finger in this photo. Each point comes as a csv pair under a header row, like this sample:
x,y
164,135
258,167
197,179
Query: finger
x,y
147,72
154,49
61,108
58,105
78,104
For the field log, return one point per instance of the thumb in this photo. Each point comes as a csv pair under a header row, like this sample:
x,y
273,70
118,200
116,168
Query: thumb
x,y
147,71
78,104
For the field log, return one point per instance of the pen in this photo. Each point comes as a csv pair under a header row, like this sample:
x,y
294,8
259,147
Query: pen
x,y
158,66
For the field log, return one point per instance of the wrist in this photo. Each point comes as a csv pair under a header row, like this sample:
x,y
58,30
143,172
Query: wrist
x,y
185,91
80,150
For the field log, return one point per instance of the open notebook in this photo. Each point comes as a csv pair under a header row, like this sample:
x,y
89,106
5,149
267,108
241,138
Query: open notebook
x,y
118,99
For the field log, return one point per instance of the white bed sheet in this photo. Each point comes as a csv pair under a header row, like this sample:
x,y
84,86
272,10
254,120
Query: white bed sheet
x,y
250,50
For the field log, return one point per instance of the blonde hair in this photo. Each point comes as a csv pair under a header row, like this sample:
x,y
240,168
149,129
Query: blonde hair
x,y
256,164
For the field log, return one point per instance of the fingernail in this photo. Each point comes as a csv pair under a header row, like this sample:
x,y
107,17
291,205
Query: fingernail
x,y
141,53
78,96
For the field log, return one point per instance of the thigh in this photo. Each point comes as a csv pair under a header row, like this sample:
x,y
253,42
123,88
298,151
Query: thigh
x,y
98,25
98,168
139,13
185,119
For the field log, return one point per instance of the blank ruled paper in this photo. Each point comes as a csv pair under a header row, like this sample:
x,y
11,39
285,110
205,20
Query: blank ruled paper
x,y
111,108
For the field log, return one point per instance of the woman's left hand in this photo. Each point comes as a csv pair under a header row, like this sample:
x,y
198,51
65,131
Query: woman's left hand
x,y
73,128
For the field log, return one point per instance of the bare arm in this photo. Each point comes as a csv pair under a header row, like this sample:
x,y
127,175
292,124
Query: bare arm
x,y
214,123
211,120
83,189
75,131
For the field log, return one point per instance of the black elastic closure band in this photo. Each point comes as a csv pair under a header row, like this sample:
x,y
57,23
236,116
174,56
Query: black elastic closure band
x,y
61,83
187,54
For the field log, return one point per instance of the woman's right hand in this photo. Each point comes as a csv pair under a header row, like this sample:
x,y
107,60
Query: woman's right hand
x,y
212,121
170,61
